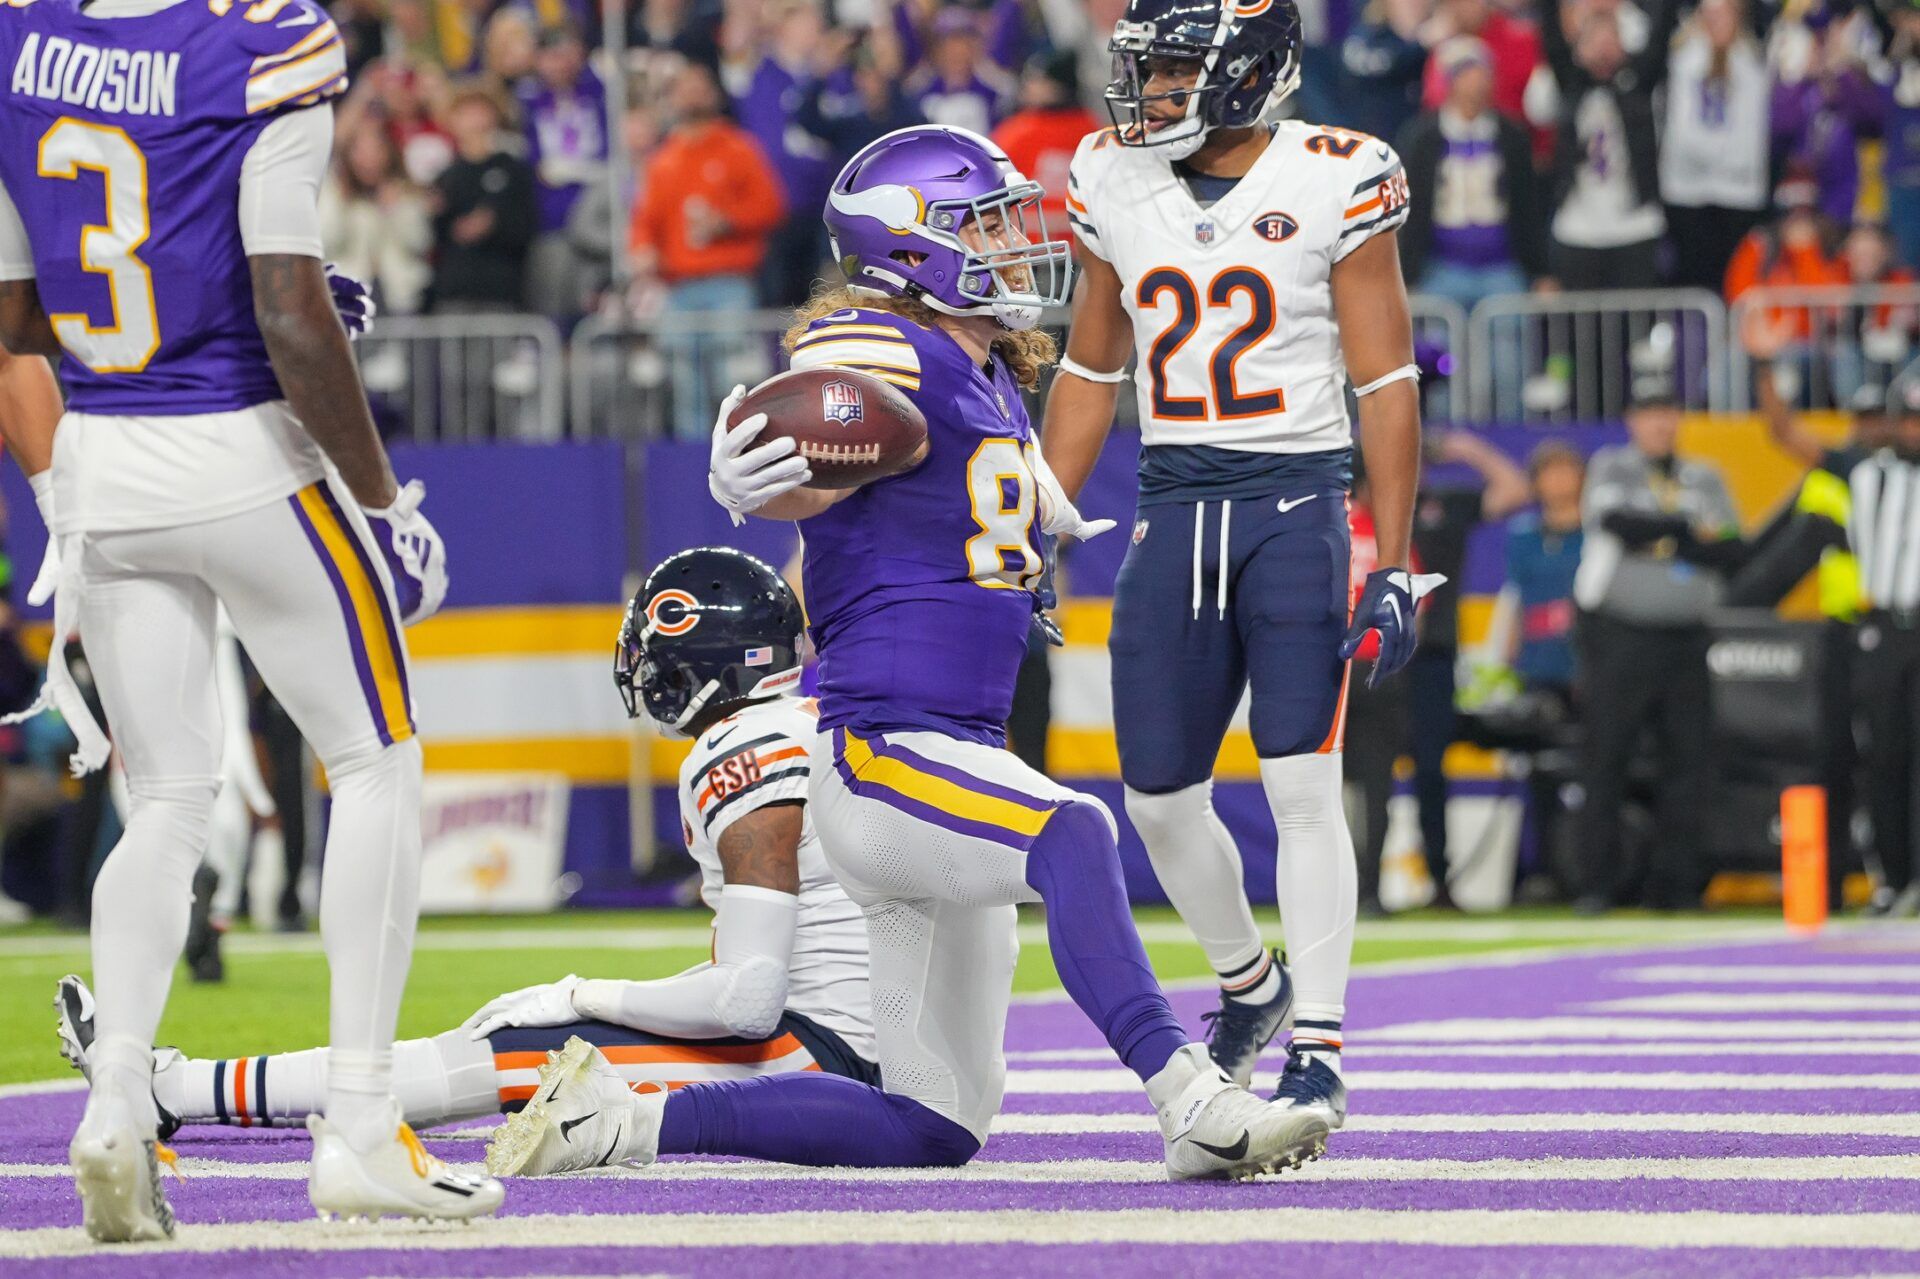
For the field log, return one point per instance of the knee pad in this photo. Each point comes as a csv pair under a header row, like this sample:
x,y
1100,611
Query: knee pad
x,y
1166,816
754,997
1303,790
176,809
1082,824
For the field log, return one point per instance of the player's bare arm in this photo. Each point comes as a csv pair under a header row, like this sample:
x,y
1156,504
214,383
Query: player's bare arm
x,y
1376,337
311,358
762,849
24,326
1080,408
29,409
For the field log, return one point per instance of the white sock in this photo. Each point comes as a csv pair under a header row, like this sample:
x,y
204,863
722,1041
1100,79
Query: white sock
x,y
1316,1033
436,1081
1316,881
1255,983
118,1094
369,907
1199,868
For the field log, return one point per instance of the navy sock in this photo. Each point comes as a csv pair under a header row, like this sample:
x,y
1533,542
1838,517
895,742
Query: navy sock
x,y
811,1118
1075,868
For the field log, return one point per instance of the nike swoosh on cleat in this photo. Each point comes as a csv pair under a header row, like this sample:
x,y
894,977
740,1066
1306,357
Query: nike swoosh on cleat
x,y
612,1146
568,1125
1287,504
449,1186
1237,1151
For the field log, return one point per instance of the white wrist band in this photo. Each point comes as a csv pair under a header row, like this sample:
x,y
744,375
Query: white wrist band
x,y
1080,370
1406,372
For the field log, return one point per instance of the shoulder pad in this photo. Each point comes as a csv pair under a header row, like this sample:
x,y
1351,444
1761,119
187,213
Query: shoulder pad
x,y
298,57
871,341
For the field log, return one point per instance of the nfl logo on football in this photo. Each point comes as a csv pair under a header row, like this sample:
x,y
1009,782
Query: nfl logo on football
x,y
840,402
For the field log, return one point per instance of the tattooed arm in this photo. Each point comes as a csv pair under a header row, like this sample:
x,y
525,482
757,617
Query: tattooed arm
x,y
311,358
24,326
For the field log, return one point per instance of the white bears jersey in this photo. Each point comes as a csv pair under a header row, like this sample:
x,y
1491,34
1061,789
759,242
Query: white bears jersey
x,y
1232,305
745,762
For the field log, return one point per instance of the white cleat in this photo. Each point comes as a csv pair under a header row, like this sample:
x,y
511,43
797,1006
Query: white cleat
x,y
398,1178
117,1173
1216,1130
583,1115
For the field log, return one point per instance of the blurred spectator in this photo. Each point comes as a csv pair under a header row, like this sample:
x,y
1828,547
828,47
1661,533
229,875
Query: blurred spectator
x,y
484,217
1512,42
1643,649
1875,342
1444,516
590,227
1819,120
458,26
1607,221
1899,75
508,51
856,95
701,228
770,69
1040,138
1383,61
688,28
1000,27
410,35
1798,249
565,114
374,222
959,84
363,32
1713,156
1543,553
403,101
1480,233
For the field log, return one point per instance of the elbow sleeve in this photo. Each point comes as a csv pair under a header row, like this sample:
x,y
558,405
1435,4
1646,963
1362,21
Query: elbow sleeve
x,y
752,945
753,998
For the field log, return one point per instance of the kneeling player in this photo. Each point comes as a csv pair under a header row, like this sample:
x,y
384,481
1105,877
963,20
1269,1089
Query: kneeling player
x,y
710,648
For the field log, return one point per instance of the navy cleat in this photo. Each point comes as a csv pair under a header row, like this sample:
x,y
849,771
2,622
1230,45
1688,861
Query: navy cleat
x,y
1238,1031
73,1026
1311,1084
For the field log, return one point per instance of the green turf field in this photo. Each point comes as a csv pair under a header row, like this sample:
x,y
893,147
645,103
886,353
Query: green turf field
x,y
275,995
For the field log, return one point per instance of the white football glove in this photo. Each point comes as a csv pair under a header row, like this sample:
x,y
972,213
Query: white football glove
x,y
48,577
741,479
414,553
546,1005
1058,516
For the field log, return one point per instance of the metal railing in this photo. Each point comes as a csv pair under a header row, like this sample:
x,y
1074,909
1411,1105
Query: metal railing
x,y
1829,343
1563,357
457,378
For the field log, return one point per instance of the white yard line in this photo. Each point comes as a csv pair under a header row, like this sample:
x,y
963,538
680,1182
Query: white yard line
x,y
1776,1001
1784,1031
1101,1171
1789,974
1054,1082
1773,1124
1362,1050
800,1230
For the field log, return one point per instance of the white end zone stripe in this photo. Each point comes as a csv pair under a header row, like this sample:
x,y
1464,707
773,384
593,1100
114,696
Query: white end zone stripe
x,y
1057,1082
1468,1228
1761,1001
1537,1029
1364,1051
1775,1125
1801,975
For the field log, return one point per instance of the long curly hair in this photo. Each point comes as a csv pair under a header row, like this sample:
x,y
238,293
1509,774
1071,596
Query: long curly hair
x,y
1028,354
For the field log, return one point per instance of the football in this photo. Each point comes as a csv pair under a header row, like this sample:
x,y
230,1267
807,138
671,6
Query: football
x,y
851,427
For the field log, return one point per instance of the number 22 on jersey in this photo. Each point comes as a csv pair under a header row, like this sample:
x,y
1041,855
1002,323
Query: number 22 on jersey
x,y
129,340
1227,400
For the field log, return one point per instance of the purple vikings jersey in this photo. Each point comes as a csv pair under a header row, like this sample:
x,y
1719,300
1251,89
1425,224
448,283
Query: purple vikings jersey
x,y
121,144
920,587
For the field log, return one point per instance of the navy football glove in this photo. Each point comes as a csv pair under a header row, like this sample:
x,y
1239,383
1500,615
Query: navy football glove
x,y
1386,605
353,300
1045,598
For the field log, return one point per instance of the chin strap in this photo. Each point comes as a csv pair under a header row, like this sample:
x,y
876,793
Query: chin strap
x,y
1405,373
1070,365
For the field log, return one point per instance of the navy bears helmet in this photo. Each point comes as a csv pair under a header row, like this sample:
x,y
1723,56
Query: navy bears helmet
x,y
1249,56
711,625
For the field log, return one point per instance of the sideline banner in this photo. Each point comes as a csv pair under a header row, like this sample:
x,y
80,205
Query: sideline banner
x,y
494,842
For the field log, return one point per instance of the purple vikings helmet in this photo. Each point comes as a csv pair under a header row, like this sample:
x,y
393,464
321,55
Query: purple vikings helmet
x,y
896,212
1248,53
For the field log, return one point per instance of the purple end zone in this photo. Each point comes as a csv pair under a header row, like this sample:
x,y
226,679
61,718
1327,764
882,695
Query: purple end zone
x,y
38,1127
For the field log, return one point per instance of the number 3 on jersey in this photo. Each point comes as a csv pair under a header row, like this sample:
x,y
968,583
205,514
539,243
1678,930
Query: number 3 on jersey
x,y
128,341
1000,483
1228,400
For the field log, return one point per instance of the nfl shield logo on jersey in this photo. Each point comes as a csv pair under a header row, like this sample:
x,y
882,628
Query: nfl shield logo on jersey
x,y
1275,226
1139,532
840,402
1203,232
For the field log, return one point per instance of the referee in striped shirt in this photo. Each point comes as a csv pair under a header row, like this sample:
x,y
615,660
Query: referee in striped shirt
x,y
1883,530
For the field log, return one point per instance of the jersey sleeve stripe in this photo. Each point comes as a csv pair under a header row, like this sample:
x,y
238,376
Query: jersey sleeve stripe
x,y
734,751
1084,227
785,774
891,355
1358,228
320,35
323,70
1074,204
830,331
1359,209
1377,179
790,752
905,381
